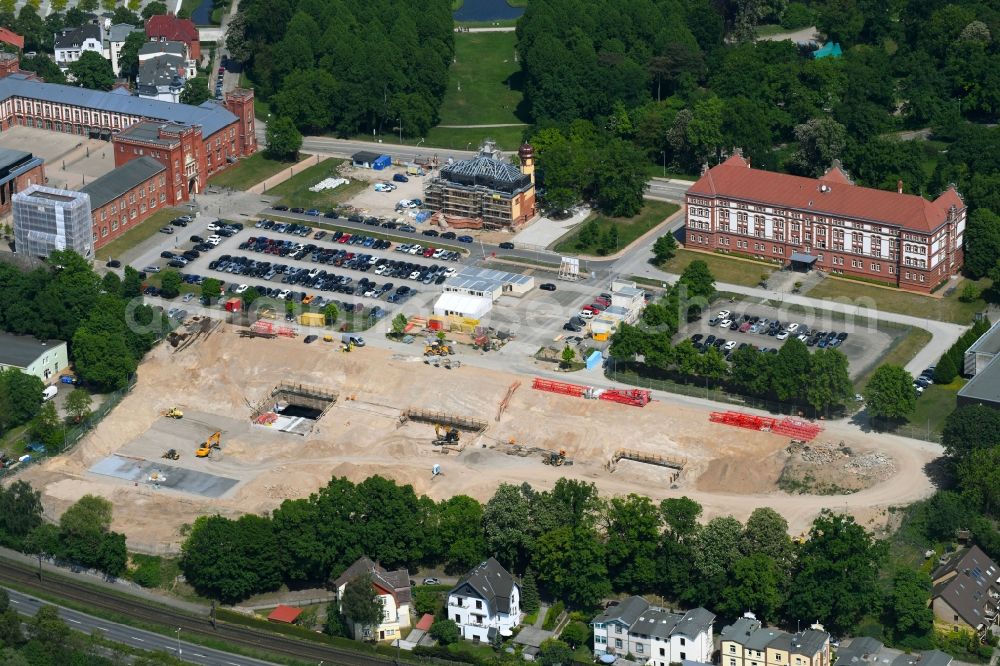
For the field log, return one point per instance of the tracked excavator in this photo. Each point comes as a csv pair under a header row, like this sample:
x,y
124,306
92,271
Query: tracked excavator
x,y
445,435
213,442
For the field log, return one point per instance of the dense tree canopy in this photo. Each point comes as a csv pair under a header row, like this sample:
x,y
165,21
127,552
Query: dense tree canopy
x,y
350,66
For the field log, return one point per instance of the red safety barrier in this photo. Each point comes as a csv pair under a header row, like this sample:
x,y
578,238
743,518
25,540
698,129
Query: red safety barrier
x,y
634,397
558,387
261,326
791,427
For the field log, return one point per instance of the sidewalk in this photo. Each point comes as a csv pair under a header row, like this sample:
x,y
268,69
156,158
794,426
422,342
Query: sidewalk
x,y
266,184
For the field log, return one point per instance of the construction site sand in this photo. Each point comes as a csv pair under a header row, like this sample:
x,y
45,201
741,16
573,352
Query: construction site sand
x,y
730,471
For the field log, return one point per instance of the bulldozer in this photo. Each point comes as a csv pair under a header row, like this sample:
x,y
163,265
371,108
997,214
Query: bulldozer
x,y
213,442
171,454
172,413
438,348
445,435
555,459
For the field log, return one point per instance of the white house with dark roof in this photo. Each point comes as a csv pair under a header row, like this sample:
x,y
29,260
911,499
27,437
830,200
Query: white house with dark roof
x,y
70,44
485,602
44,359
654,635
393,588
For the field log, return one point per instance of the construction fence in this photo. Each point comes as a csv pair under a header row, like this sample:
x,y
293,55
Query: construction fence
x,y
72,434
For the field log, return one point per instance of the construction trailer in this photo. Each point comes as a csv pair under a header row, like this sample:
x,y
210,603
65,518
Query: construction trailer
x,y
234,304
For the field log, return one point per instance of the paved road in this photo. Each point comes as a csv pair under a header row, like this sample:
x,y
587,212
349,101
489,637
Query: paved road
x,y
136,638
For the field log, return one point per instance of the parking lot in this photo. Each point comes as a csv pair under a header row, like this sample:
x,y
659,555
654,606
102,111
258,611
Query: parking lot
x,y
861,341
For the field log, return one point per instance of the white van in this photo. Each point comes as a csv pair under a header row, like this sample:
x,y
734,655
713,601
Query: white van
x,y
350,339
49,392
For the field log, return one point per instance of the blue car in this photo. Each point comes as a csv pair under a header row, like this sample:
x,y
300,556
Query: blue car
x,y
464,239
313,212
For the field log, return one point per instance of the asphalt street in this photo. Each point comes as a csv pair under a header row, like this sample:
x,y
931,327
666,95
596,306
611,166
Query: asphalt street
x,y
136,638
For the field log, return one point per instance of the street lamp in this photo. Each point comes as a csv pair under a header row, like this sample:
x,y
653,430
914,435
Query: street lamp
x,y
419,142
400,121
178,632
664,153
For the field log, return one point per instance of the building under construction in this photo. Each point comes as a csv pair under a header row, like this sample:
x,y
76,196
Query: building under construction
x,y
486,188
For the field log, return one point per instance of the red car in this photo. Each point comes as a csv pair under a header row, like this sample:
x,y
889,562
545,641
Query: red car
x,y
429,252
603,301
345,238
590,308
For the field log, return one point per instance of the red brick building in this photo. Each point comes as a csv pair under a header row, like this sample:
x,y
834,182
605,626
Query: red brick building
x,y
169,28
125,196
828,223
18,171
193,142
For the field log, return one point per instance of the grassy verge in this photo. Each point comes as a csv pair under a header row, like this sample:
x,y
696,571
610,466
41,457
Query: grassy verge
x,y
138,233
295,190
374,232
439,139
900,353
480,89
945,308
629,228
533,262
248,172
934,406
725,269
657,171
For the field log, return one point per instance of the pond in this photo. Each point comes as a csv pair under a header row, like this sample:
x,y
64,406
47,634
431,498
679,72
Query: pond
x,y
202,14
487,10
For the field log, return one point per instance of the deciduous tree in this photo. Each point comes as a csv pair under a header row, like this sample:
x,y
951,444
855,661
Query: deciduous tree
x,y
828,382
571,566
889,393
835,578
195,91
92,70
283,139
78,404
632,526
362,605
664,248
970,428
820,141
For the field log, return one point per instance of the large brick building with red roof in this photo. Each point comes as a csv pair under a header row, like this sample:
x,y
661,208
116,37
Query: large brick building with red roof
x,y
828,223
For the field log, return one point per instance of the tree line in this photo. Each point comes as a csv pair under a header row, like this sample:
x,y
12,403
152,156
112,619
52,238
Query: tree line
x,y
83,534
574,544
348,66
67,300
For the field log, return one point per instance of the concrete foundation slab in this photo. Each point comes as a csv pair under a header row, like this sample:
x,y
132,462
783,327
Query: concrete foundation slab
x,y
167,476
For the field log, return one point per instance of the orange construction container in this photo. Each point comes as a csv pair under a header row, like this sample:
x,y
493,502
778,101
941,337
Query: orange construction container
x,y
234,304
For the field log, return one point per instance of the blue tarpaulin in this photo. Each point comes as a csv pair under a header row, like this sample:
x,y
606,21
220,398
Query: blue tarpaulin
x,y
828,50
423,215
594,360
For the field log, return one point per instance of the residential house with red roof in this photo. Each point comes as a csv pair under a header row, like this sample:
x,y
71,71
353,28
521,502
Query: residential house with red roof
x,y
828,223
392,587
12,38
169,28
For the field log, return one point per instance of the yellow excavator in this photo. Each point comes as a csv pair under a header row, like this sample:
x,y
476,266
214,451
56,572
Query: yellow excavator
x,y
213,442
445,435
173,413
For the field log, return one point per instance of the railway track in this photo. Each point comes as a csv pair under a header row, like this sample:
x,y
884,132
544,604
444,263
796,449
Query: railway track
x,y
27,577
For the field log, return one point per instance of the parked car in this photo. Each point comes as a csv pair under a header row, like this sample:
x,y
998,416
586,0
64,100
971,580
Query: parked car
x,y
545,286
400,178
464,239
113,263
431,581
166,230
506,246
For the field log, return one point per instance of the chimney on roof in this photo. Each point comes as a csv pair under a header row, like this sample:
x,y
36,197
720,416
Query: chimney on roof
x,y
899,186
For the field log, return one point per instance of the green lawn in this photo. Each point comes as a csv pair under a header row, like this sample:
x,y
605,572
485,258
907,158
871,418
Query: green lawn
x,y
934,406
945,308
900,353
480,88
629,228
248,172
147,229
507,138
295,190
725,269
